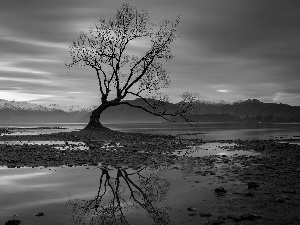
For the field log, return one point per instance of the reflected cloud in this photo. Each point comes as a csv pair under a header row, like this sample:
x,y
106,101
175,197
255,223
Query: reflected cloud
x,y
10,179
223,91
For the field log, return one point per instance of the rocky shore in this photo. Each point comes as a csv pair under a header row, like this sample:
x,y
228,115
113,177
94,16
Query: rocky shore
x,y
268,190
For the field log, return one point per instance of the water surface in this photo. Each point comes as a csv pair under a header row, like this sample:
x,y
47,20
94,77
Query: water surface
x,y
205,131
93,195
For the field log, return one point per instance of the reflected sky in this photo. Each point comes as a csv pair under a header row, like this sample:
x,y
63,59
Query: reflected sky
x,y
113,196
13,179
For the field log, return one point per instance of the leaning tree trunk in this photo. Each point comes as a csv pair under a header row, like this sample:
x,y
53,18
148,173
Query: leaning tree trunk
x,y
94,123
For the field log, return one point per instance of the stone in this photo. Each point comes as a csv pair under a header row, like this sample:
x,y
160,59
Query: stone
x,y
289,191
244,216
13,222
234,217
252,185
190,209
39,214
249,194
205,214
250,216
220,190
217,221
282,199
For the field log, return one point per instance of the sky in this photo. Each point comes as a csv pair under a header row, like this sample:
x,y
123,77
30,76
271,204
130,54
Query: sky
x,y
228,50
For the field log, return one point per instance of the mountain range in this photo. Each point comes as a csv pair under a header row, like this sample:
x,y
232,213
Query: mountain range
x,y
13,112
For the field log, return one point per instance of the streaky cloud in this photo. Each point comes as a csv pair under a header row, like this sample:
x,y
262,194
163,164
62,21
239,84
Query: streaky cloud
x,y
27,80
40,43
21,96
9,67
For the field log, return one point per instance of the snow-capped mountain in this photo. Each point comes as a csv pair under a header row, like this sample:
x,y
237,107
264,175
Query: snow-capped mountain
x,y
15,105
14,112
72,108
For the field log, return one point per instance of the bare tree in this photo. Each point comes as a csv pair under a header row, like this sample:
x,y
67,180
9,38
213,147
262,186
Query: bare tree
x,y
104,48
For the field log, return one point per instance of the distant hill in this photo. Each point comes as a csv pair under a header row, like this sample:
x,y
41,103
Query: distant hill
x,y
12,112
251,110
250,107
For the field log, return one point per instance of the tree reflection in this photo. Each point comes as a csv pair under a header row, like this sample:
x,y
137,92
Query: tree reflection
x,y
122,192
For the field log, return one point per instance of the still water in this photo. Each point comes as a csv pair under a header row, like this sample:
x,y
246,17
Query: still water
x,y
205,131
217,131
93,195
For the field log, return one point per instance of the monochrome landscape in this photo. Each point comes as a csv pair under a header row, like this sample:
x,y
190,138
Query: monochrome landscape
x,y
149,112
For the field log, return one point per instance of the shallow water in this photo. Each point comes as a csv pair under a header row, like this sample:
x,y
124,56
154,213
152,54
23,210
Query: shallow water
x,y
209,149
74,195
71,195
217,131
205,131
37,130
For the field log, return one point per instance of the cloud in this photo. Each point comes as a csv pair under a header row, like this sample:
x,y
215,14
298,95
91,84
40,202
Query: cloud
x,y
27,80
45,44
251,49
223,91
7,66
20,96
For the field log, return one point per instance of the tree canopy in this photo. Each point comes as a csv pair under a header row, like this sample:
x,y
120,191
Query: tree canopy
x,y
107,49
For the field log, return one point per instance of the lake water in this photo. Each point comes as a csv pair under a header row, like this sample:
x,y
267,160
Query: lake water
x,y
205,131
93,195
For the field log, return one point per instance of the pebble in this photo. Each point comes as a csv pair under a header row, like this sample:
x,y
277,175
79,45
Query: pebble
x,y
252,185
205,214
190,209
220,190
249,194
13,222
39,214
244,216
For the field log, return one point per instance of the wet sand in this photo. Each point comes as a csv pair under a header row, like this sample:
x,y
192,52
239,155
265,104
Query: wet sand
x,y
258,188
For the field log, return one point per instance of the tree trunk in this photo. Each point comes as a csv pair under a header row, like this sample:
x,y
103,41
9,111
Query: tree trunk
x,y
94,123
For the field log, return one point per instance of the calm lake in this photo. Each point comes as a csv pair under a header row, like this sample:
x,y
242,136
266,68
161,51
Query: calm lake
x,y
93,195
205,131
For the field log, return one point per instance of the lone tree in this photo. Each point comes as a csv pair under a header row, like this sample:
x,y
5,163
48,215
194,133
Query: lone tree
x,y
106,49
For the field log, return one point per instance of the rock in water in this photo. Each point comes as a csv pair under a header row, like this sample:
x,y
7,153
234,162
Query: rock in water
x,y
40,214
220,191
205,214
190,209
13,222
